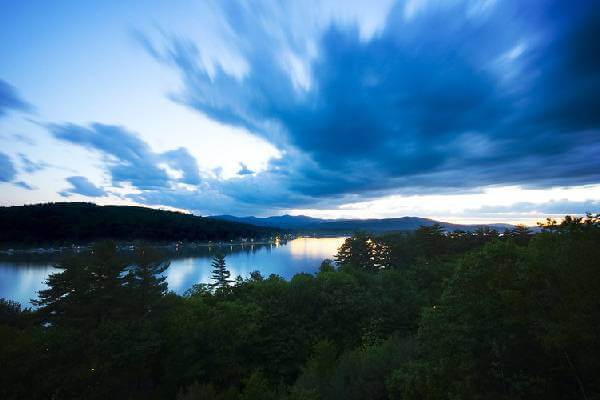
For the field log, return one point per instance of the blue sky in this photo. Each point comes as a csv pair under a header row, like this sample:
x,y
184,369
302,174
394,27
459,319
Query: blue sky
x,y
461,110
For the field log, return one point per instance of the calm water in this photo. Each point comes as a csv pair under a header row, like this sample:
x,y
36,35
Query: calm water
x,y
20,280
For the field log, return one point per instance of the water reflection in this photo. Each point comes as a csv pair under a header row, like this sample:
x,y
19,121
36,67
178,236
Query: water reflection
x,y
20,280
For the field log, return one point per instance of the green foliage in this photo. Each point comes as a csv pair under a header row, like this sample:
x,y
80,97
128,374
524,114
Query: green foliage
x,y
11,313
257,387
517,322
427,315
359,373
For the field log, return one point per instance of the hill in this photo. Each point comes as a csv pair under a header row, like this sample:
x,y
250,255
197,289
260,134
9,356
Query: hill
x,y
280,221
59,223
304,223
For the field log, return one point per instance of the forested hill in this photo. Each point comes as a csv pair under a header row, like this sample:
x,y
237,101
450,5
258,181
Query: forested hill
x,y
58,223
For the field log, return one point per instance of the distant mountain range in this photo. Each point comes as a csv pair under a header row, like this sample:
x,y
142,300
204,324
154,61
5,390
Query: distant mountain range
x,y
305,223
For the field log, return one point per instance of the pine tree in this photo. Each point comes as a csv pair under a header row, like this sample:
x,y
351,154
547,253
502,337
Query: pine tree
x,y
220,273
88,290
145,279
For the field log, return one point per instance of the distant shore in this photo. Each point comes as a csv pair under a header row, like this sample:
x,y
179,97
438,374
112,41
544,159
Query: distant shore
x,y
130,246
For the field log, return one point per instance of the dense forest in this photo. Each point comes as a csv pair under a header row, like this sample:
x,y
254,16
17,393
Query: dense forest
x,y
66,223
419,315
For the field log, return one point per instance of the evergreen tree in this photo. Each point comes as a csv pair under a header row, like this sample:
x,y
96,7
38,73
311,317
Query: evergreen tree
x,y
364,252
520,234
89,289
220,273
145,279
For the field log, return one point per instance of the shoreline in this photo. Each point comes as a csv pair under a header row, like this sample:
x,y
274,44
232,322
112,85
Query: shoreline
x,y
130,246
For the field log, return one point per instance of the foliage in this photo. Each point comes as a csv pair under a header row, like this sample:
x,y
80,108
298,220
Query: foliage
x,y
423,315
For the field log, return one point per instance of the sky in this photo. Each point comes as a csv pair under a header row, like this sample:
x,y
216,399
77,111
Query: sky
x,y
461,110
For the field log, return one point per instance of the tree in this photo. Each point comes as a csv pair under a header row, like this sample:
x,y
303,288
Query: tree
x,y
431,240
10,312
145,280
89,289
520,234
220,273
364,252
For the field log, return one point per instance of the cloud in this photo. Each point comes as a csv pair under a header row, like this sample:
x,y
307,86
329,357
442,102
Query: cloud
x,y
503,95
24,185
7,169
365,107
180,159
81,185
10,100
554,207
129,158
31,166
244,170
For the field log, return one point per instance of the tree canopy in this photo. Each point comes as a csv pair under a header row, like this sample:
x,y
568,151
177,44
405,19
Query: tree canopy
x,y
423,315
66,223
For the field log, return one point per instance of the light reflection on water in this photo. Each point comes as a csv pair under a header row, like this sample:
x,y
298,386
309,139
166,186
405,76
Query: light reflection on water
x,y
20,281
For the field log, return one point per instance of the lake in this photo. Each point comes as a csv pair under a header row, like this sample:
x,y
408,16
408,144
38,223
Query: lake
x,y
21,279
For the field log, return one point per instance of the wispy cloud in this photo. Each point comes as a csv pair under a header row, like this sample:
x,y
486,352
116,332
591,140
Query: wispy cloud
x,y
24,185
81,185
7,168
31,166
128,157
10,99
244,170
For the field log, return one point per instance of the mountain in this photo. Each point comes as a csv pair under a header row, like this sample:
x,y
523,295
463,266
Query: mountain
x,y
281,221
304,223
62,223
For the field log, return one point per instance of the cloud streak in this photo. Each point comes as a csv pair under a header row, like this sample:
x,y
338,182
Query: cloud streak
x,y
503,95
128,157
10,99
81,185
7,170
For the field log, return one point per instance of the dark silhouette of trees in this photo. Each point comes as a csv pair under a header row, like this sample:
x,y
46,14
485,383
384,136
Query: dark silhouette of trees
x,y
363,252
424,315
67,223
520,234
220,273
89,289
145,280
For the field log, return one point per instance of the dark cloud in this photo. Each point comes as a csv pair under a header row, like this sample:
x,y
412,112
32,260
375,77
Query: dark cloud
x,y
81,185
447,100
129,158
10,100
7,169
